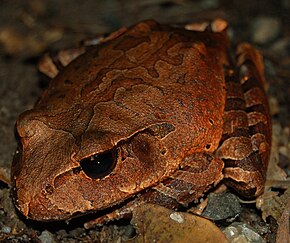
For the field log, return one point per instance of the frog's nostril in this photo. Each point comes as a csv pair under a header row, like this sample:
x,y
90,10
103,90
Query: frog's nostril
x,y
163,151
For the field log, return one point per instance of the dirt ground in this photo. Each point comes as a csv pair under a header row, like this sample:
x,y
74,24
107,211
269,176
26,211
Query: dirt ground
x,y
30,28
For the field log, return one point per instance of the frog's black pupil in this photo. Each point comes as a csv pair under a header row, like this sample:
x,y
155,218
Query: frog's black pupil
x,y
99,165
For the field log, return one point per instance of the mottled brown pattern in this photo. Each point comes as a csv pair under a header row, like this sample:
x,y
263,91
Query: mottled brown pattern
x,y
246,153
169,106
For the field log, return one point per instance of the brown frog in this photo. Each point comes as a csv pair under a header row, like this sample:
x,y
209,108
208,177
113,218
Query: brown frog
x,y
151,113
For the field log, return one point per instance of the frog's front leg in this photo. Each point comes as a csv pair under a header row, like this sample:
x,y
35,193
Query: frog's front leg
x,y
196,174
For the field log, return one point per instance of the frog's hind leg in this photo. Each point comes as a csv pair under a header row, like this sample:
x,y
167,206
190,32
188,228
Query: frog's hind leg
x,y
245,144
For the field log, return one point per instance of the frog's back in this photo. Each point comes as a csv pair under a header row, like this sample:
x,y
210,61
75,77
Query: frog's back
x,y
151,74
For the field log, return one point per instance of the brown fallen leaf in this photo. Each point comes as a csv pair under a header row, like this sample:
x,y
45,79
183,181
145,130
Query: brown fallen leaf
x,y
274,172
5,175
275,206
33,41
154,223
270,203
283,234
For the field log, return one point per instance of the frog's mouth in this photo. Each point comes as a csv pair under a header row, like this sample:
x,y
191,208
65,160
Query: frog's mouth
x,y
41,209
90,217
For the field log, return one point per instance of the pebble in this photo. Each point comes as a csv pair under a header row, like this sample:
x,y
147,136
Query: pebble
x,y
46,237
240,232
6,230
281,47
222,206
129,232
178,217
265,29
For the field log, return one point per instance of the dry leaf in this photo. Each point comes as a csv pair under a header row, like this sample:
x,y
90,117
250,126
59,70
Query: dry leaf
x,y
270,202
283,234
5,175
158,224
274,173
275,206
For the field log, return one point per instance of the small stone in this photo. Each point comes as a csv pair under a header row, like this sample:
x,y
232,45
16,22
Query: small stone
x,y
242,233
222,206
281,47
265,29
6,230
78,232
46,237
178,217
62,233
129,232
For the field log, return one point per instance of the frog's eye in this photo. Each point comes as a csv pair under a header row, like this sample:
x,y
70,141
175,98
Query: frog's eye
x,y
99,165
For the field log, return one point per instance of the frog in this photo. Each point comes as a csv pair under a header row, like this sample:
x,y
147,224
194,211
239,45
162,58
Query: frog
x,y
152,113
